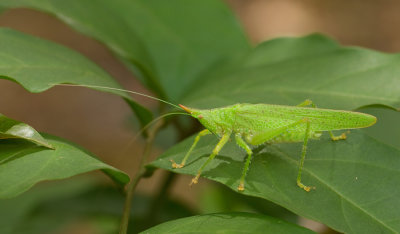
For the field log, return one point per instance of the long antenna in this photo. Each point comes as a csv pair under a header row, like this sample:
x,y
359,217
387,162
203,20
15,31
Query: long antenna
x,y
155,120
117,89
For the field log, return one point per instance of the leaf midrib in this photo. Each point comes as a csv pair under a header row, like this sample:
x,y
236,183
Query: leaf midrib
x,y
292,161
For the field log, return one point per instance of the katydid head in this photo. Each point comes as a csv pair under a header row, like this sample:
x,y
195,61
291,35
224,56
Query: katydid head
x,y
195,113
207,117
187,109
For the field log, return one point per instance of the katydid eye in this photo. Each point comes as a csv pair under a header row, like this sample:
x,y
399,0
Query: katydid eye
x,y
200,117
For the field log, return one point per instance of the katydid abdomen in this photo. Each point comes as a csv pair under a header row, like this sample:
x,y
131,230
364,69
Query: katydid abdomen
x,y
252,118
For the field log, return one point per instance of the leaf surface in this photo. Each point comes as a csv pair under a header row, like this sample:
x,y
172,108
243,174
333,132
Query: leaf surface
x,y
10,128
289,70
81,199
227,223
23,164
169,44
356,180
19,212
38,65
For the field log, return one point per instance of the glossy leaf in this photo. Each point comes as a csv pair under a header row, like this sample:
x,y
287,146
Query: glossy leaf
x,y
289,70
23,164
227,223
38,65
356,180
10,128
169,44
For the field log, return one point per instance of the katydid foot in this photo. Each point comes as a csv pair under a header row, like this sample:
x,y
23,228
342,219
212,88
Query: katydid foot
x,y
175,165
337,138
195,180
240,188
306,188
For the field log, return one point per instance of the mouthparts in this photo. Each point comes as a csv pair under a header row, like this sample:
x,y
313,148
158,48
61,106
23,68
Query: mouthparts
x,y
185,108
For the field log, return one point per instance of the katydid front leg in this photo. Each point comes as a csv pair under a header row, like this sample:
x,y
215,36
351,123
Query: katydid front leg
x,y
202,133
216,150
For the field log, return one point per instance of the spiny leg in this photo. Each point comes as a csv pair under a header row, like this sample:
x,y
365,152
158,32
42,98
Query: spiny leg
x,y
303,155
243,145
270,134
215,151
202,133
263,137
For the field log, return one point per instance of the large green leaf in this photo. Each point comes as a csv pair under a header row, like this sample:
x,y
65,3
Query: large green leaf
x,y
219,198
17,213
23,164
53,206
356,179
10,128
38,65
169,44
387,129
228,223
290,70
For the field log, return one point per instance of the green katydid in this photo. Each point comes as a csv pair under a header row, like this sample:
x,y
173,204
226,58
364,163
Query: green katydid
x,y
257,124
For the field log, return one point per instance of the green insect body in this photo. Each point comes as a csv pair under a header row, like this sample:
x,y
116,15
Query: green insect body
x,y
256,124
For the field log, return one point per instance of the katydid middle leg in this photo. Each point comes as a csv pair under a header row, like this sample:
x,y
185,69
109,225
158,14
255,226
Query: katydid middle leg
x,y
303,156
240,142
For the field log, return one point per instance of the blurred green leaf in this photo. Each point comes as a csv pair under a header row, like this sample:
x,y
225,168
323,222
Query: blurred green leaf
x,y
56,205
169,44
234,222
219,198
38,65
356,180
289,70
24,164
10,128
17,213
387,129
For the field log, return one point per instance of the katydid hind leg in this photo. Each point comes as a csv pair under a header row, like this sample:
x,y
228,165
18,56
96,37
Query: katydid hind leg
x,y
241,143
273,133
343,136
215,151
303,155
264,136
180,165
307,102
